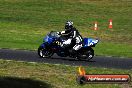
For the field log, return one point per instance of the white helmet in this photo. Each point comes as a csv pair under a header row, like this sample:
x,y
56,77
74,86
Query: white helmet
x,y
68,25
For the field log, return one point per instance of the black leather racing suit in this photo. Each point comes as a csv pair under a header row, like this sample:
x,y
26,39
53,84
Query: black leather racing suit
x,y
73,34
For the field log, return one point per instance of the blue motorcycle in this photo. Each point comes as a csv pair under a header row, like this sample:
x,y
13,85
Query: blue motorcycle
x,y
52,44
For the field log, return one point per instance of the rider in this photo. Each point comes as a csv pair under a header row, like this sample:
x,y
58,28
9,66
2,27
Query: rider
x,y
72,34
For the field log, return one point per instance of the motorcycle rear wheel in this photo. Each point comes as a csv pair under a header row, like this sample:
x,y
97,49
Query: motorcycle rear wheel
x,y
86,55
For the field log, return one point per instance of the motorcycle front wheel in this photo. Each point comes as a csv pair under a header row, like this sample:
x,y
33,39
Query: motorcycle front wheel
x,y
44,53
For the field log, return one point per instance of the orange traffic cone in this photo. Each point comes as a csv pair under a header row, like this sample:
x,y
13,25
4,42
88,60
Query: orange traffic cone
x,y
96,26
110,23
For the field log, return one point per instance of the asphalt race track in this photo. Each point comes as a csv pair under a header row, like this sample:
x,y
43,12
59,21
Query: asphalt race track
x,y
97,61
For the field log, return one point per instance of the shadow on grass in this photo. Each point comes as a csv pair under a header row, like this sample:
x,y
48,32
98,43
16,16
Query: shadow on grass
x,y
14,82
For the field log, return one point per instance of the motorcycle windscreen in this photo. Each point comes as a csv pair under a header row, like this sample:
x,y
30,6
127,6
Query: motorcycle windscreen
x,y
48,39
90,42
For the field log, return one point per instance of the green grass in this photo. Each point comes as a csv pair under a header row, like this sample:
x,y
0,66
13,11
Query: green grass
x,y
23,23
114,49
32,75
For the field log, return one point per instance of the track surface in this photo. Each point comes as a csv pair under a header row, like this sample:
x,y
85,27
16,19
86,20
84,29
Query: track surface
x,y
97,61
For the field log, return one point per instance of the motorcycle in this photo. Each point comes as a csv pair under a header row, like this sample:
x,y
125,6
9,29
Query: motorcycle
x,y
52,44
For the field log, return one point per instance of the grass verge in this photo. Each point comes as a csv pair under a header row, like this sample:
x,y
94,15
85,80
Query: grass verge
x,y
42,75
